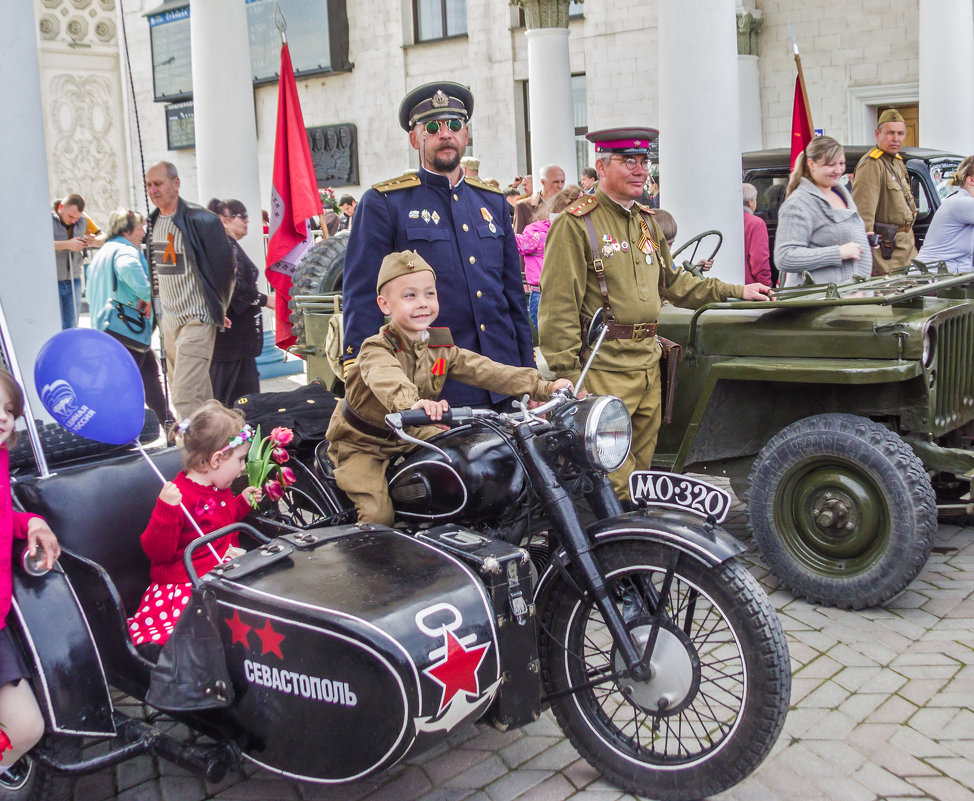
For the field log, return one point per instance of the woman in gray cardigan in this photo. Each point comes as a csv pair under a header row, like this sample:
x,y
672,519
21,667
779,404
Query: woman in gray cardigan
x,y
819,228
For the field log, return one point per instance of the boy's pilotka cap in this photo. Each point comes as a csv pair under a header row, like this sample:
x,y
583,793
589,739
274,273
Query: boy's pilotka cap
x,y
404,263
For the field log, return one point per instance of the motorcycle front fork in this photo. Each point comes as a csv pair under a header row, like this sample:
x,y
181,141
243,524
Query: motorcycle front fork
x,y
562,513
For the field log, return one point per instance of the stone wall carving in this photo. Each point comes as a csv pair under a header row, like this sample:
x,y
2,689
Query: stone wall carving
x,y
749,24
334,153
79,23
82,137
544,13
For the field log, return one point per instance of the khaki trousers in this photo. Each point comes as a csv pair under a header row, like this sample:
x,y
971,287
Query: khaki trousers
x,y
361,474
189,350
640,391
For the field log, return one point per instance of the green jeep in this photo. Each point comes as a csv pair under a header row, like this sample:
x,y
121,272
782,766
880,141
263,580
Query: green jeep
x,y
842,414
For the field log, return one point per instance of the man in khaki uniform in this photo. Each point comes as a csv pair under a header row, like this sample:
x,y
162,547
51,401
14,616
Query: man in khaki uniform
x,y
881,190
404,367
636,268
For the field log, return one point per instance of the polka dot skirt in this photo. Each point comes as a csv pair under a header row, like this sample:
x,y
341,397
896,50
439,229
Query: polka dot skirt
x,y
157,614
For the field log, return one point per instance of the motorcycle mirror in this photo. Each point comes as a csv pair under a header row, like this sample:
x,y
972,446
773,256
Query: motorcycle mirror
x,y
595,327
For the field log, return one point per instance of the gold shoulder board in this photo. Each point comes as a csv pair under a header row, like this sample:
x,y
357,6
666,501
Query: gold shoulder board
x,y
406,181
875,153
481,185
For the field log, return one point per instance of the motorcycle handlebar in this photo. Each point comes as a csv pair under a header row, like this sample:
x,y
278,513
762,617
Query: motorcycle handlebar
x,y
417,417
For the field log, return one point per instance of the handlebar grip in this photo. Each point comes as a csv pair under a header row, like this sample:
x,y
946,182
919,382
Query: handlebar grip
x,y
417,417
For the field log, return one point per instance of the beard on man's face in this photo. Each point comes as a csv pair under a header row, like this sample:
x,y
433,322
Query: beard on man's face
x,y
444,160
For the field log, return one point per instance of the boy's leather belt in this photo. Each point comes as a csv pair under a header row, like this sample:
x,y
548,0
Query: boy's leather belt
x,y
362,425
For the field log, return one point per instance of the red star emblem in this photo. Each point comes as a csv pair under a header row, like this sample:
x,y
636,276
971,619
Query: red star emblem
x,y
238,628
458,670
270,640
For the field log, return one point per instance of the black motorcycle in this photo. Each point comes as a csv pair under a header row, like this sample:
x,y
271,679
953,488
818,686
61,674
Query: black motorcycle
x,y
661,656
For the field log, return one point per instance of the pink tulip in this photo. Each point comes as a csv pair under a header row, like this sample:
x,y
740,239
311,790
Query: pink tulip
x,y
287,476
282,436
274,490
280,455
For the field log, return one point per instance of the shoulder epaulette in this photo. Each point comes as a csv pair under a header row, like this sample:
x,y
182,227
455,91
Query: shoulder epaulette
x,y
582,206
481,185
646,209
393,339
898,156
875,153
440,338
405,181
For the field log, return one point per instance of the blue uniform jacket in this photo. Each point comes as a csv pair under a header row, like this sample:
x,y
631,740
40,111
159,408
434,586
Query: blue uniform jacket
x,y
465,234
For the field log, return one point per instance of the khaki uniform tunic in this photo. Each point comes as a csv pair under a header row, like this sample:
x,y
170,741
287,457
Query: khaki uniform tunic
x,y
391,373
882,198
625,368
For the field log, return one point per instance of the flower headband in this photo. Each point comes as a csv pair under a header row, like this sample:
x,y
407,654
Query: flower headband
x,y
246,435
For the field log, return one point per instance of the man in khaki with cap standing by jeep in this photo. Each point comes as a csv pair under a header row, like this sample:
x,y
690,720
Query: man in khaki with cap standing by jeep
x,y
881,190
606,251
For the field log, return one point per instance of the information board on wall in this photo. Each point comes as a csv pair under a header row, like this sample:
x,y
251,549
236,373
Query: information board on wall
x,y
307,38
180,125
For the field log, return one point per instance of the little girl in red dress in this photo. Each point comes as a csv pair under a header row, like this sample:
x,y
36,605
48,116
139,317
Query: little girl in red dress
x,y
215,441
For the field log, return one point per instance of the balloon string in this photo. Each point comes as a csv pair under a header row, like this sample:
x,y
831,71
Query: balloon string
x,y
189,517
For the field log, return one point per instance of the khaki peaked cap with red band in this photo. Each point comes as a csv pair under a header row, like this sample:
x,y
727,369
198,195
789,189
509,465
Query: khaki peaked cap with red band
x,y
444,100
405,263
623,141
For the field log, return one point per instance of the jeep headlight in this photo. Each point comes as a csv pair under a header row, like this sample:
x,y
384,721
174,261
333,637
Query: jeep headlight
x,y
929,346
605,431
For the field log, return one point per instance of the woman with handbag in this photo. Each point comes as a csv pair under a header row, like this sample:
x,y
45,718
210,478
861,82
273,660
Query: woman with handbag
x,y
120,299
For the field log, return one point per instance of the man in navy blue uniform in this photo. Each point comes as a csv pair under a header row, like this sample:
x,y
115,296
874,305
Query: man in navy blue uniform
x,y
461,226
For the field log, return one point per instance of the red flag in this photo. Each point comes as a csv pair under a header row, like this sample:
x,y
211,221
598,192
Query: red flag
x,y
294,198
801,116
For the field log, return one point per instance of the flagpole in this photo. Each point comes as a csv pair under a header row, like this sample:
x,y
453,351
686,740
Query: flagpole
x,y
801,79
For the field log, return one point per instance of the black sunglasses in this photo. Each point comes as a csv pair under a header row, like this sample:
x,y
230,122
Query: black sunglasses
x,y
433,126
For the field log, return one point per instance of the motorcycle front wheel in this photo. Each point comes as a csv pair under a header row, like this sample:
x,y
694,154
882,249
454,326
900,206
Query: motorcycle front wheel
x,y
721,682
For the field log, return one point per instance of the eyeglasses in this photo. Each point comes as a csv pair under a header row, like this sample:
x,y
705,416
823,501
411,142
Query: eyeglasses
x,y
434,126
239,216
632,164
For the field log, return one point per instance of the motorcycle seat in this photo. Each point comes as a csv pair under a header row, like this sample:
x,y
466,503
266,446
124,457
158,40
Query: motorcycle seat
x,y
99,511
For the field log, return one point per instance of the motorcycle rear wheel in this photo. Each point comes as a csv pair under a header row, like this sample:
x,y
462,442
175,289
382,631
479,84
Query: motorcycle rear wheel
x,y
722,664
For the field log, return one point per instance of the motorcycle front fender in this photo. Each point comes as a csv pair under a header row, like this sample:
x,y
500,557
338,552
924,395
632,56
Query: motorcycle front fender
x,y
683,531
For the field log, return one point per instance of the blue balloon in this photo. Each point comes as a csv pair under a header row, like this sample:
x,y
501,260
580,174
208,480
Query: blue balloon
x,y
91,385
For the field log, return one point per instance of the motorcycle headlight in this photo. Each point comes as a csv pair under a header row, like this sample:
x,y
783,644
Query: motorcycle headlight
x,y
605,430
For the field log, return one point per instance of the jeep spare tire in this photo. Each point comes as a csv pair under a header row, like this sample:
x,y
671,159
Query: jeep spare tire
x,y
842,510
319,271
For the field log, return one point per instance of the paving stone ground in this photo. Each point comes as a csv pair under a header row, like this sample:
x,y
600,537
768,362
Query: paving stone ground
x,y
882,709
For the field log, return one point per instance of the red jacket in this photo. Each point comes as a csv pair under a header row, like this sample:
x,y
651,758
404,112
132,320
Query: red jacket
x,y
12,524
169,532
757,256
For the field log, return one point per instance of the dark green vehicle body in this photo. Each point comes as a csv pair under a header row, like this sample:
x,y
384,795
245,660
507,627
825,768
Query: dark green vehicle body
x,y
842,414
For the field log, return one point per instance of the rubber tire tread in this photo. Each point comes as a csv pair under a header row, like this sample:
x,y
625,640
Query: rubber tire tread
x,y
45,785
319,271
763,644
913,508
62,446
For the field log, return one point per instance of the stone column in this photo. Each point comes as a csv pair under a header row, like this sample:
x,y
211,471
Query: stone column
x,y
700,127
223,104
947,75
749,24
549,87
28,274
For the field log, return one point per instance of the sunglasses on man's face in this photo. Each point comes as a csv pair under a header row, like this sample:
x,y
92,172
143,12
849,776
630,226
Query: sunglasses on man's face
x,y
433,126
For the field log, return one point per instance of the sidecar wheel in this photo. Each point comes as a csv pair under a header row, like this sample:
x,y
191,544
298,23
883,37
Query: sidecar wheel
x,y
26,780
722,673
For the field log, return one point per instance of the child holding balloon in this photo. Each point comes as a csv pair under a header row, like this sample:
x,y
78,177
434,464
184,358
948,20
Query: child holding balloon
x,y
215,442
21,723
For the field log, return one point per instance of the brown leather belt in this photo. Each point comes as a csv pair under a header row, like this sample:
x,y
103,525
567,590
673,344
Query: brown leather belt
x,y
636,332
362,425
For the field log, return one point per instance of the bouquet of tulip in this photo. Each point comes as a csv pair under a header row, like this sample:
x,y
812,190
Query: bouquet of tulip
x,y
329,201
266,457
5,744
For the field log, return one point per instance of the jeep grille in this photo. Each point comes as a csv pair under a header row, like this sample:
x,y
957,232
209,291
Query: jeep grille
x,y
954,396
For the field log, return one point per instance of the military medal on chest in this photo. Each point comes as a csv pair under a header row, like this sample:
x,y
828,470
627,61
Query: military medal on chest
x,y
438,370
610,245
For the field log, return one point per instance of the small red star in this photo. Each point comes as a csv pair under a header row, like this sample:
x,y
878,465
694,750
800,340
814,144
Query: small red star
x,y
458,670
270,640
238,628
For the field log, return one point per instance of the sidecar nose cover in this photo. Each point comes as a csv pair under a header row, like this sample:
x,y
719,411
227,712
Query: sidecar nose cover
x,y
349,654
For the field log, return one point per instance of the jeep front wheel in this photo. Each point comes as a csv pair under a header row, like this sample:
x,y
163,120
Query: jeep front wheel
x,y
842,510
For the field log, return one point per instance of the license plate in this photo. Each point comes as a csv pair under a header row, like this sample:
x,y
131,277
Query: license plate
x,y
674,491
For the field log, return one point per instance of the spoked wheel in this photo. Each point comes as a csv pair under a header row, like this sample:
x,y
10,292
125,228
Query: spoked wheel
x,y
27,780
299,509
720,684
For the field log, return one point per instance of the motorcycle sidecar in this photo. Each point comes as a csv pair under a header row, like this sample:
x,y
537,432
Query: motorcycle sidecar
x,y
346,648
